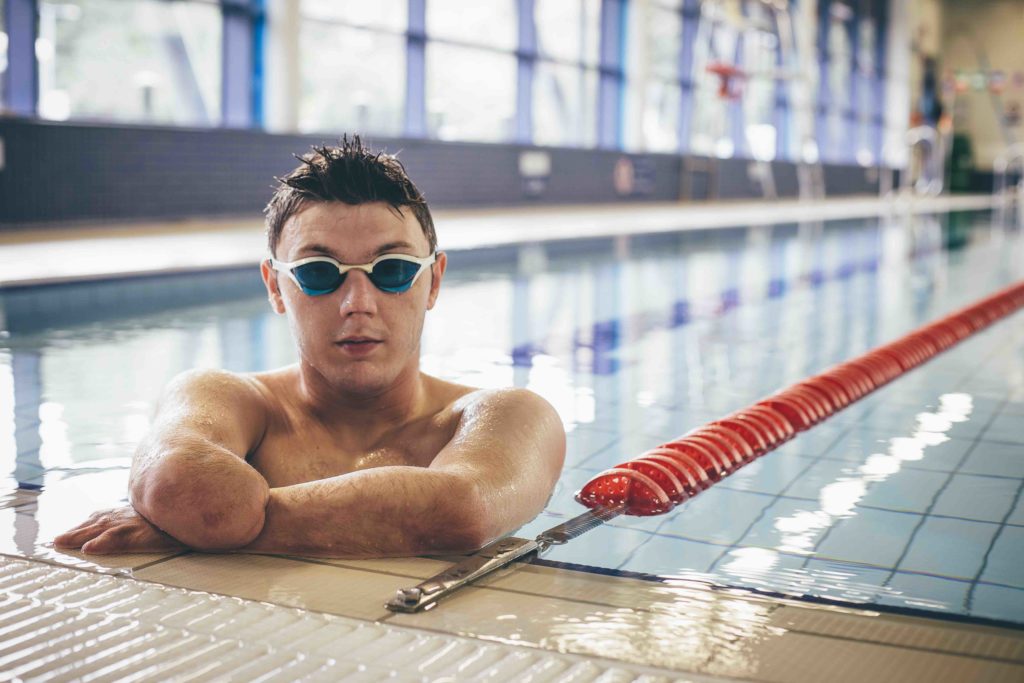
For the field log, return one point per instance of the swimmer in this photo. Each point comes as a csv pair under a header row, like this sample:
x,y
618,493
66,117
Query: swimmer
x,y
353,451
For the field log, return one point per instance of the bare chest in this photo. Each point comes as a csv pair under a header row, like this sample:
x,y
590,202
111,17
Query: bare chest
x,y
294,453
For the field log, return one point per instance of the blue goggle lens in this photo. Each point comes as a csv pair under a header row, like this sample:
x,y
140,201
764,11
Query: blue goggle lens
x,y
389,275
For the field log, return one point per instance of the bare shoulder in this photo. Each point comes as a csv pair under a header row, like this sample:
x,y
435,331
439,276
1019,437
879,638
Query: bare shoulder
x,y
508,411
225,407
212,385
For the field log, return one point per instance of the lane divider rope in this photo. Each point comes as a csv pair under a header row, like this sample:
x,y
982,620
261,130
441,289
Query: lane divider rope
x,y
667,475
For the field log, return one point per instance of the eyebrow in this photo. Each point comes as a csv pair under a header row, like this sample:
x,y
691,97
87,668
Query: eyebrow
x,y
382,249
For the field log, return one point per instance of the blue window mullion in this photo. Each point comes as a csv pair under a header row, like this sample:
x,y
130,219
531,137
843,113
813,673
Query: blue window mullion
x,y
526,60
21,86
610,87
416,71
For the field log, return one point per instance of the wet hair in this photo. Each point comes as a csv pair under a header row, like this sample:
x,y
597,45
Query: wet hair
x,y
348,173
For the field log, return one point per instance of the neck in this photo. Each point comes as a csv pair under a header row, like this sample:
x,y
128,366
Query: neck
x,y
363,418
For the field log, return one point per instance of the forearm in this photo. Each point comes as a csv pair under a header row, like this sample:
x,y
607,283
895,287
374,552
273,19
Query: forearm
x,y
201,494
386,511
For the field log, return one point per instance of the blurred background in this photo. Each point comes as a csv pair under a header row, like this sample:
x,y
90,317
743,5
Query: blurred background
x,y
166,109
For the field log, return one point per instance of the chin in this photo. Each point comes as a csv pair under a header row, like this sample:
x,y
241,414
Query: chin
x,y
364,380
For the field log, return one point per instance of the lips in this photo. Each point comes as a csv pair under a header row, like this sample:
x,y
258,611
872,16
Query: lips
x,y
358,345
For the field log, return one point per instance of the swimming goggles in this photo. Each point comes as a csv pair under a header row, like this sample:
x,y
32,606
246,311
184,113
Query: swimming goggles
x,y
319,275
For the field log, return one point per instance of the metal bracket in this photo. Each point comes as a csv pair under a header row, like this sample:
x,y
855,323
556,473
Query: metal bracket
x,y
484,561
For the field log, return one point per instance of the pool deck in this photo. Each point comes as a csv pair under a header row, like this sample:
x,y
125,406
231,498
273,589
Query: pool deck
x,y
52,254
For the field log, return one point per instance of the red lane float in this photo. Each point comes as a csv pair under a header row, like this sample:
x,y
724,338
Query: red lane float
x,y
665,476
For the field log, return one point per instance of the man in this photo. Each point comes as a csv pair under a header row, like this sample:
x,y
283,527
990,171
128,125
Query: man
x,y
352,451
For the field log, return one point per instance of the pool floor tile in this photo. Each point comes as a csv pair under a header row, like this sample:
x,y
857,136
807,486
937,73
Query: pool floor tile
x,y
999,459
605,546
906,490
1007,429
768,474
873,537
1005,562
663,555
717,515
926,592
999,602
950,547
976,497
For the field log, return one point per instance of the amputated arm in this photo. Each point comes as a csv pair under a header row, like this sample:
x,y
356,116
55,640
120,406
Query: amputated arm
x,y
189,476
494,476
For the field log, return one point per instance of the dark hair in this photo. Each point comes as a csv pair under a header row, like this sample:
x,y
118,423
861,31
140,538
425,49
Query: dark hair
x,y
349,173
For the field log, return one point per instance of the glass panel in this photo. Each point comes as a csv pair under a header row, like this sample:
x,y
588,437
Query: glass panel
x,y
716,44
568,30
471,93
353,79
564,105
760,58
866,104
131,61
3,55
492,23
839,75
387,14
652,73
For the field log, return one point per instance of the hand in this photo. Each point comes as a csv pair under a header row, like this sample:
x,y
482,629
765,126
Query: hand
x,y
121,530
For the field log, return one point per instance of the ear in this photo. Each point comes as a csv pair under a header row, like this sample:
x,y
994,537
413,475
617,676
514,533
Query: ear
x,y
437,269
273,291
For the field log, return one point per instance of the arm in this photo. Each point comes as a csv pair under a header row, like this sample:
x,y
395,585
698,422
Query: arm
x,y
494,476
189,476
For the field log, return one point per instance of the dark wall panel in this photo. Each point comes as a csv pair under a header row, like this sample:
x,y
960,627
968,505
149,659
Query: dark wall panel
x,y
58,172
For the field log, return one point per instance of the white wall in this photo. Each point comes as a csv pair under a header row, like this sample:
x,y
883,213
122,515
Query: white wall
x,y
976,32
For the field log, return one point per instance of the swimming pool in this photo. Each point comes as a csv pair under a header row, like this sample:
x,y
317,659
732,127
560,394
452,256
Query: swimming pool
x,y
909,499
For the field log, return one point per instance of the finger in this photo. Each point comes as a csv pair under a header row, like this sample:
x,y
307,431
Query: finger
x,y
110,541
77,536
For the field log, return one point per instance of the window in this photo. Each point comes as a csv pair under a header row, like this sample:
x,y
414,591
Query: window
x,y
353,79
840,130
716,44
564,105
760,59
568,30
653,93
471,70
145,60
867,105
388,15
471,93
491,24
565,74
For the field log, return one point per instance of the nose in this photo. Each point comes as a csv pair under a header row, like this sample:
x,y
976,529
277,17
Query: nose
x,y
358,294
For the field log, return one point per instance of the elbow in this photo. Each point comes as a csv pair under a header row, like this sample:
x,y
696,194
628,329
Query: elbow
x,y
471,521
202,512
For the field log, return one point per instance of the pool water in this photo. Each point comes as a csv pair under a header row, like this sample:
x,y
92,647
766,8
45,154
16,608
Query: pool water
x,y
909,499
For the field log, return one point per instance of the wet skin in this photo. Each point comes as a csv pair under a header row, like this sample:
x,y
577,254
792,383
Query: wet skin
x,y
353,451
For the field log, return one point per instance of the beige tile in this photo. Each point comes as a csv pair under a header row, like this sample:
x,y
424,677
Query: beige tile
x,y
952,638
800,658
725,633
417,568
24,534
283,581
671,637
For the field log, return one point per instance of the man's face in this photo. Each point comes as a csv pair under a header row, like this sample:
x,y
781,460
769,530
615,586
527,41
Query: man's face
x,y
361,340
